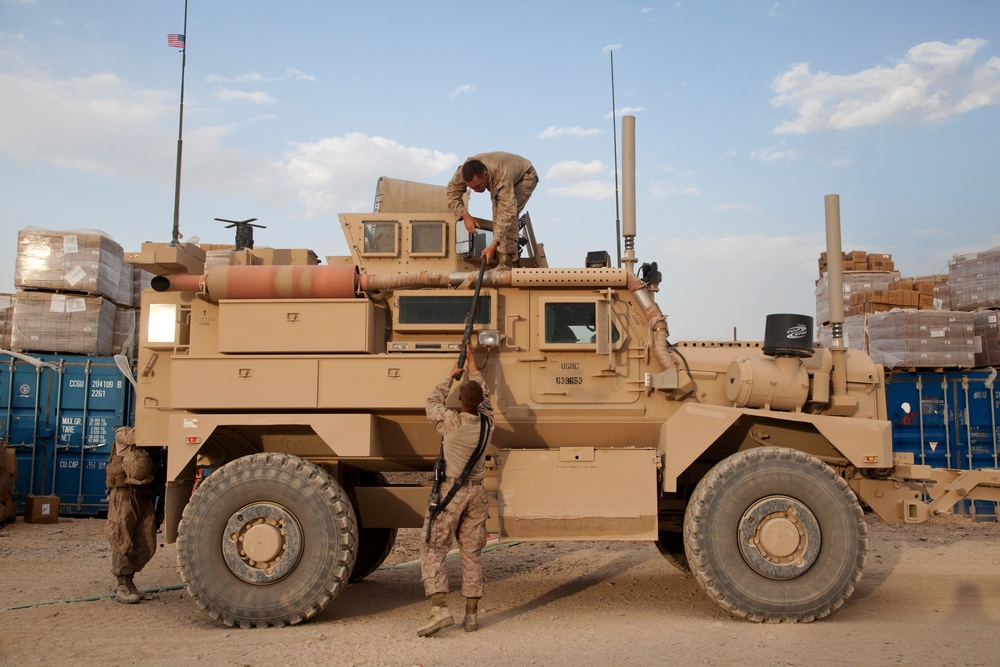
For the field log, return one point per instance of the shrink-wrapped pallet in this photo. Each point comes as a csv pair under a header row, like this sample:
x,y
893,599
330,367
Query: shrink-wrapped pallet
x,y
64,323
6,319
987,323
922,339
83,261
974,280
123,340
856,281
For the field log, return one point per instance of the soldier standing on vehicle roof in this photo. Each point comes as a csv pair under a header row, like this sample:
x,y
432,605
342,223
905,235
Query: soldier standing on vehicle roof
x,y
510,179
465,433
131,526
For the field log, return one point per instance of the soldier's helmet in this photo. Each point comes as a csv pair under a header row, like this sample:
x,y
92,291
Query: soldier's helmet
x,y
138,465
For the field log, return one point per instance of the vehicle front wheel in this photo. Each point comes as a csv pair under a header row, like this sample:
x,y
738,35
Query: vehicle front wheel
x,y
774,534
268,539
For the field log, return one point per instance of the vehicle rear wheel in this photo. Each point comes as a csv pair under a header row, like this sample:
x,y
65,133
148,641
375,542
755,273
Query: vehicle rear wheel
x,y
774,534
268,539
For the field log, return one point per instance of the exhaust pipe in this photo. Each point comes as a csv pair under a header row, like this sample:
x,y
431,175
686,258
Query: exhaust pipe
x,y
628,190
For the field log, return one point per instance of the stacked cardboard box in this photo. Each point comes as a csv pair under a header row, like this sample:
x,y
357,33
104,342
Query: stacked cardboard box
x,y
922,339
855,282
860,260
75,291
82,262
227,255
987,326
6,319
67,323
911,338
904,293
974,280
942,293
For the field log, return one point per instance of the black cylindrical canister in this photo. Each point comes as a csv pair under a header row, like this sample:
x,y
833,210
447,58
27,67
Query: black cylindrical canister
x,y
787,335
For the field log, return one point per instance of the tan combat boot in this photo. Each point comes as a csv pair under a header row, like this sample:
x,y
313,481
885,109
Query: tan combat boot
x,y
471,614
127,592
440,617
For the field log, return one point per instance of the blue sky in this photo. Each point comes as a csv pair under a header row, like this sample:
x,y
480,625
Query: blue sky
x,y
747,115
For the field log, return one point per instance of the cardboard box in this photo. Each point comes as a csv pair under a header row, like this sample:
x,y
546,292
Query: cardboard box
x,y
80,262
41,509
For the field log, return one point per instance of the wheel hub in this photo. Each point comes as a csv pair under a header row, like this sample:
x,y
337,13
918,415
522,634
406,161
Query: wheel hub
x,y
262,543
779,537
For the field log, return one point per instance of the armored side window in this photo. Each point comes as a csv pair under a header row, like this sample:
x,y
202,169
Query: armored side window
x,y
577,323
381,239
428,238
421,310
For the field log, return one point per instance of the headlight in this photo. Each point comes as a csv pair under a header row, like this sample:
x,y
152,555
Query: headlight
x,y
488,338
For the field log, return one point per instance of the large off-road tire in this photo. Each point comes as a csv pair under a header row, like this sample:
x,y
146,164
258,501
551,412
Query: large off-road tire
x,y
671,546
774,534
267,539
374,544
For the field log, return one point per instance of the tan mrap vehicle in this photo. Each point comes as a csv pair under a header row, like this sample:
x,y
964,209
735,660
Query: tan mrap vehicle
x,y
302,388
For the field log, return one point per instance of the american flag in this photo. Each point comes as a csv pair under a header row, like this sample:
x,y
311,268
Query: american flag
x,y
175,40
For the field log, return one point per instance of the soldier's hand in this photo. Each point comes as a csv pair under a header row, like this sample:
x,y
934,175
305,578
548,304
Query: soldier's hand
x,y
456,372
470,357
470,223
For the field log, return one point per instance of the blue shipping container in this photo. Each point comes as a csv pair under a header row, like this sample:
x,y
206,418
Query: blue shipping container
x,y
947,420
60,412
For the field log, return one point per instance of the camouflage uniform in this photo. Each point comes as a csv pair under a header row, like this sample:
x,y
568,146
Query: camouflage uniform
x,y
512,179
465,516
131,525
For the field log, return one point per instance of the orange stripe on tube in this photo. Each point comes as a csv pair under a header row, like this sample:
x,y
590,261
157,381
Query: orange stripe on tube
x,y
267,282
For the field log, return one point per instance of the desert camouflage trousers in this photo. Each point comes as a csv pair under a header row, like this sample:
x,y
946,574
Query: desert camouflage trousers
x,y
464,519
131,530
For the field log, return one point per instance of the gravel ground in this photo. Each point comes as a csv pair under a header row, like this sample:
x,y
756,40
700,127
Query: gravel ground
x,y
930,594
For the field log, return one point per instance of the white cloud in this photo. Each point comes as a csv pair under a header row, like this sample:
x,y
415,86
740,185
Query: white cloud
x,y
256,97
464,89
718,266
664,190
41,118
773,154
577,179
624,111
934,81
571,170
328,175
610,47
590,189
256,77
739,208
131,133
552,132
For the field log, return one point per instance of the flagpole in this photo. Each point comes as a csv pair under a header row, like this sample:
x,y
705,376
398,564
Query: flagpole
x,y
175,239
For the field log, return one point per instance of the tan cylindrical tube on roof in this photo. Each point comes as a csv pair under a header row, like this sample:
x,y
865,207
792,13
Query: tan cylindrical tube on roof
x,y
266,282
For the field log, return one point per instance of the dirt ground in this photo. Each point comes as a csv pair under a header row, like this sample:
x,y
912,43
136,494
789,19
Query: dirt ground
x,y
930,594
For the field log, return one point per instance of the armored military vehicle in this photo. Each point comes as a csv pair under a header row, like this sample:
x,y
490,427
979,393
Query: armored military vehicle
x,y
301,388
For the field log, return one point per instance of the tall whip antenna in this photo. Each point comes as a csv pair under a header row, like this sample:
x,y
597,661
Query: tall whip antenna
x,y
614,134
176,235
